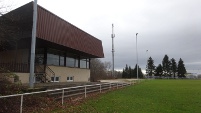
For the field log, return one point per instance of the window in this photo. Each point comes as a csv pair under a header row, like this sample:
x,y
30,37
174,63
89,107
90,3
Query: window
x,y
88,63
61,60
71,60
55,57
70,78
39,58
52,59
54,79
84,63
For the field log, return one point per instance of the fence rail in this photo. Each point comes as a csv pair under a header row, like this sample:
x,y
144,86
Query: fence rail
x,y
63,93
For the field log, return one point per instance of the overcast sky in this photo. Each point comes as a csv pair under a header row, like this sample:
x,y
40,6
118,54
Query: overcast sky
x,y
171,27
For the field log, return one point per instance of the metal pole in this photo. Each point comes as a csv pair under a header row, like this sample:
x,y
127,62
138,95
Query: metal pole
x,y
85,91
117,85
113,50
21,104
147,63
100,88
33,46
137,54
62,101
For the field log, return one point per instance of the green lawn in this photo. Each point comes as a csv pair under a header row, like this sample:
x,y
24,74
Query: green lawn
x,y
151,96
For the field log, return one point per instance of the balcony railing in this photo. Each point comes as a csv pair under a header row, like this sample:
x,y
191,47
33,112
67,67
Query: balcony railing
x,y
15,67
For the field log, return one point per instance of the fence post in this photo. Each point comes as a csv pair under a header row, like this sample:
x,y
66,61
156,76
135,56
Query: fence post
x,y
100,88
21,104
62,101
85,91
110,85
117,85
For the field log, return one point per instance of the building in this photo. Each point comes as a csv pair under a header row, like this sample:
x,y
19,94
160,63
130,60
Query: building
x,y
63,51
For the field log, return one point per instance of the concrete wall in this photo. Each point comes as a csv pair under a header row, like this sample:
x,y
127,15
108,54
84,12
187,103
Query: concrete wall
x,y
23,77
79,75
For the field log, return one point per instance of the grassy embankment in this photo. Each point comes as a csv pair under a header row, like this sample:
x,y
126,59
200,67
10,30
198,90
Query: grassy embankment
x,y
154,96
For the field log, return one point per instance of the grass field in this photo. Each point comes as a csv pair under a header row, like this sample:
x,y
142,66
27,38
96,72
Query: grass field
x,y
152,96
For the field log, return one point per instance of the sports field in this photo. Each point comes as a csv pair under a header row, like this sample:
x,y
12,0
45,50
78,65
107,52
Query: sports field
x,y
150,96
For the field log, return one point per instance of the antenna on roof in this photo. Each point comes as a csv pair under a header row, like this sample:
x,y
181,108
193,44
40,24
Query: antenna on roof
x,y
113,35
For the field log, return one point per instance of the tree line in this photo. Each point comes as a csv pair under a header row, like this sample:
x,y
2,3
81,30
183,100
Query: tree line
x,y
168,68
128,72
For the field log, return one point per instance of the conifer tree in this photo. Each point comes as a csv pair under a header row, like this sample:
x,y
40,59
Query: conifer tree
x,y
181,68
150,67
140,74
173,67
166,66
159,70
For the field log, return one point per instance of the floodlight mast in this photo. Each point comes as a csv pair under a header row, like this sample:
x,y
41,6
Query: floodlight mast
x,y
137,54
33,46
113,35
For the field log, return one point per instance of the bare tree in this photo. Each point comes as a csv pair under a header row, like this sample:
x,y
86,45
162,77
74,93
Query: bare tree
x,y
4,6
98,70
107,65
101,70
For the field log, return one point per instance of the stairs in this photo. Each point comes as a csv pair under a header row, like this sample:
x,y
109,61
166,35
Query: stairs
x,y
43,74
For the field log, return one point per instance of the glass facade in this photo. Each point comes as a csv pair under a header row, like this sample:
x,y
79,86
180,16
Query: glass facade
x,y
61,58
52,59
39,57
84,63
70,62
55,57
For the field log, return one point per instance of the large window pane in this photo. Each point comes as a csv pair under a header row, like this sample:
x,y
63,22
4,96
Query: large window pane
x,y
52,59
39,58
55,57
61,60
88,63
83,63
76,62
70,62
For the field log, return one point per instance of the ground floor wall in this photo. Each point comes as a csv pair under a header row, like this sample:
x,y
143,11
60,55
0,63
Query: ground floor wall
x,y
65,74
23,77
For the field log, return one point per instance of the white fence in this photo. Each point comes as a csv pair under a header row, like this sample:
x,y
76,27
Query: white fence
x,y
74,91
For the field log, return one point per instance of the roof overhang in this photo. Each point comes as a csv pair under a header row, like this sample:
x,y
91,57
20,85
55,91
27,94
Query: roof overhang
x,y
53,30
